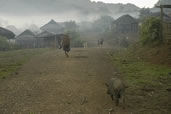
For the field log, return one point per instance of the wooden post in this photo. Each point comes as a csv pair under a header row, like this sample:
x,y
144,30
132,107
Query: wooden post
x,y
162,22
162,19
55,42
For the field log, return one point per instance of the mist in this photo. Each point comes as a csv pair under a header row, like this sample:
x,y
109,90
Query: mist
x,y
23,13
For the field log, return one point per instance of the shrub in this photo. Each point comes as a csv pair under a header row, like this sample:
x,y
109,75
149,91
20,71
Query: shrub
x,y
150,31
3,43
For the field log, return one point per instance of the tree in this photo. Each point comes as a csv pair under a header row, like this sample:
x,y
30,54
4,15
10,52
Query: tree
x,y
144,12
70,26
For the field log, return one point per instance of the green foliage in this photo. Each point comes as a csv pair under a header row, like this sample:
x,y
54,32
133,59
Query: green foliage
x,y
10,61
147,82
144,12
3,44
150,31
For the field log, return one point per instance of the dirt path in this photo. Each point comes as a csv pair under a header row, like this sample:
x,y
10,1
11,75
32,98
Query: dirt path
x,y
53,84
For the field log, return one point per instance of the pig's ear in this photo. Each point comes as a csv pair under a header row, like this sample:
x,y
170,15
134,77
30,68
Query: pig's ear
x,y
107,84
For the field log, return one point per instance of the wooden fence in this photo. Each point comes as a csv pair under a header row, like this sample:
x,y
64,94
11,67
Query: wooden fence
x,y
167,31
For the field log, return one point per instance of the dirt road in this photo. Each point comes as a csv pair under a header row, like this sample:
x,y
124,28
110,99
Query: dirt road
x,y
53,84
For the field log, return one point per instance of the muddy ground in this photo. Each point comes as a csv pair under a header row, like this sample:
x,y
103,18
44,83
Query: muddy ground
x,y
53,84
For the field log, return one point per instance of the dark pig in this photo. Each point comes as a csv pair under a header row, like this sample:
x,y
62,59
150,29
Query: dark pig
x,y
116,89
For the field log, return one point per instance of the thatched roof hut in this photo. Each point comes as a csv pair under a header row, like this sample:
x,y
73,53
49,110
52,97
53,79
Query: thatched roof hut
x,y
125,24
26,39
26,35
45,34
125,19
52,27
6,33
49,39
158,14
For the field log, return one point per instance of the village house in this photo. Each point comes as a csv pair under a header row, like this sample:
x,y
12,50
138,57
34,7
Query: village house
x,y
47,39
6,33
165,21
27,39
166,24
167,29
125,24
52,27
153,14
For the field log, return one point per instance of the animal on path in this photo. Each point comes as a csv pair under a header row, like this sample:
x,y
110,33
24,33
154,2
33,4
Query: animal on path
x,y
116,89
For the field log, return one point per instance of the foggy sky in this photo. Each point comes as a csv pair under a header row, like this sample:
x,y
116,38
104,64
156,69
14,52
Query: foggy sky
x,y
34,7
23,13
139,3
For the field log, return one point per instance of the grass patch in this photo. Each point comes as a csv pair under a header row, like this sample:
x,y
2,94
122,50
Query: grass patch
x,y
10,61
148,83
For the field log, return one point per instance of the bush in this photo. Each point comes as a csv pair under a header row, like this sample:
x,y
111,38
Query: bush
x,y
3,43
150,31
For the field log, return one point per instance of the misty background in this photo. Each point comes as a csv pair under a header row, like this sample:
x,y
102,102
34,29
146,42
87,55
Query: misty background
x,y
18,15
30,13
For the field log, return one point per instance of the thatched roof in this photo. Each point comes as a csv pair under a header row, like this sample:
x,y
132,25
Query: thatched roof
x,y
158,14
45,34
26,35
52,27
126,19
163,2
6,33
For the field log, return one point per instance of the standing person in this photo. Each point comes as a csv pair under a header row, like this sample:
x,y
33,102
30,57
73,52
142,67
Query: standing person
x,y
65,44
98,42
101,42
